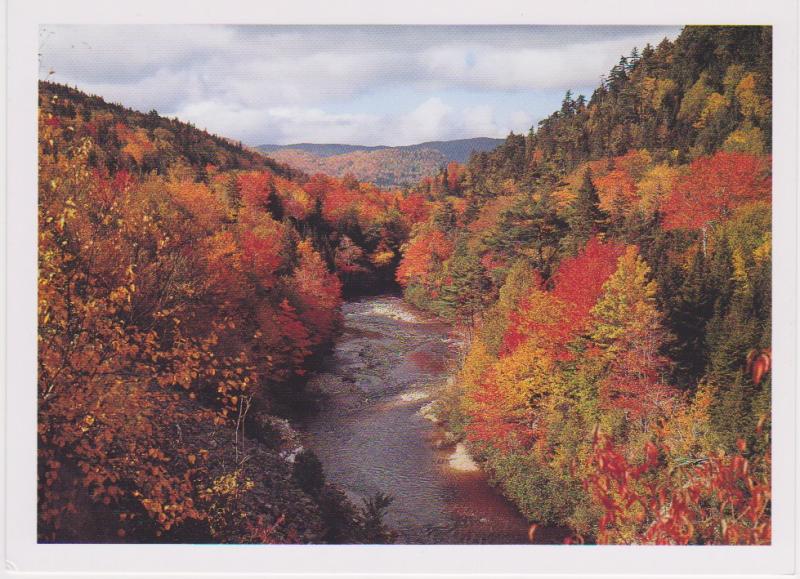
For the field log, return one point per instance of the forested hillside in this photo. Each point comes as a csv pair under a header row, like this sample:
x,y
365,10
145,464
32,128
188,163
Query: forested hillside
x,y
614,267
384,166
187,287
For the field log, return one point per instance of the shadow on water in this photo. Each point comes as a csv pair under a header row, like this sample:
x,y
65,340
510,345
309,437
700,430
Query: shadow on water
x,y
370,435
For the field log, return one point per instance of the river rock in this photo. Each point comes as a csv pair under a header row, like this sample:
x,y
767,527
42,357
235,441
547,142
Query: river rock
x,y
429,411
461,460
414,395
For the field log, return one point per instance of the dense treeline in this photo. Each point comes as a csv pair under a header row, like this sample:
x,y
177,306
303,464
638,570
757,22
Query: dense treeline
x,y
186,287
129,139
388,167
614,268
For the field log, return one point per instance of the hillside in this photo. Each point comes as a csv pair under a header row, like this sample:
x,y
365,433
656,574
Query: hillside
x,y
614,269
384,166
459,150
187,287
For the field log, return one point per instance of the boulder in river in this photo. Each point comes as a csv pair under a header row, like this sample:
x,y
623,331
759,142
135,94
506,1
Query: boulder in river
x,y
430,411
461,460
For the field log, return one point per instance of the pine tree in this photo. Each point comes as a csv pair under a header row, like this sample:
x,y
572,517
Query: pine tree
x,y
586,218
532,228
691,309
732,332
633,58
466,289
568,105
445,217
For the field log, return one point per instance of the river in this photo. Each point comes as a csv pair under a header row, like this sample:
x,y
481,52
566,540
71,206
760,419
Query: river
x,y
370,436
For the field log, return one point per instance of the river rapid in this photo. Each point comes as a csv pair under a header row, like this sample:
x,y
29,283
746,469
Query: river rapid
x,y
389,362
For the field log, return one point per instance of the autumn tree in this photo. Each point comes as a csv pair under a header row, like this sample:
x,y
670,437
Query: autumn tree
x,y
627,333
714,187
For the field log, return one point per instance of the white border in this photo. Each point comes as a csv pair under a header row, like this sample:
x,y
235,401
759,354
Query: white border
x,y
22,552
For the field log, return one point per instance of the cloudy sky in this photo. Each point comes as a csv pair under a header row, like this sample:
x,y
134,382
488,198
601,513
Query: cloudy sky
x,y
368,85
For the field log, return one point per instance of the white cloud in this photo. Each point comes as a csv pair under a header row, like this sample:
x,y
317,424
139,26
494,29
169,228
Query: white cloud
x,y
172,88
481,119
508,68
430,120
520,121
279,84
104,53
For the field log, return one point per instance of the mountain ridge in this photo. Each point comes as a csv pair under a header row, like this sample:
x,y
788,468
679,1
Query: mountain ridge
x,y
383,165
459,149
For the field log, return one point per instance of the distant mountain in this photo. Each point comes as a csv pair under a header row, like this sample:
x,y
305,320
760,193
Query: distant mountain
x,y
460,149
384,166
320,150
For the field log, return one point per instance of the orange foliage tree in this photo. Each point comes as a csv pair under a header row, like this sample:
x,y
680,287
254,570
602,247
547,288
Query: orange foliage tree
x,y
714,187
166,305
424,252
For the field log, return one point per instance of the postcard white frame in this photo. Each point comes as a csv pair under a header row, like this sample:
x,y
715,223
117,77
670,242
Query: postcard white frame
x,y
24,555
